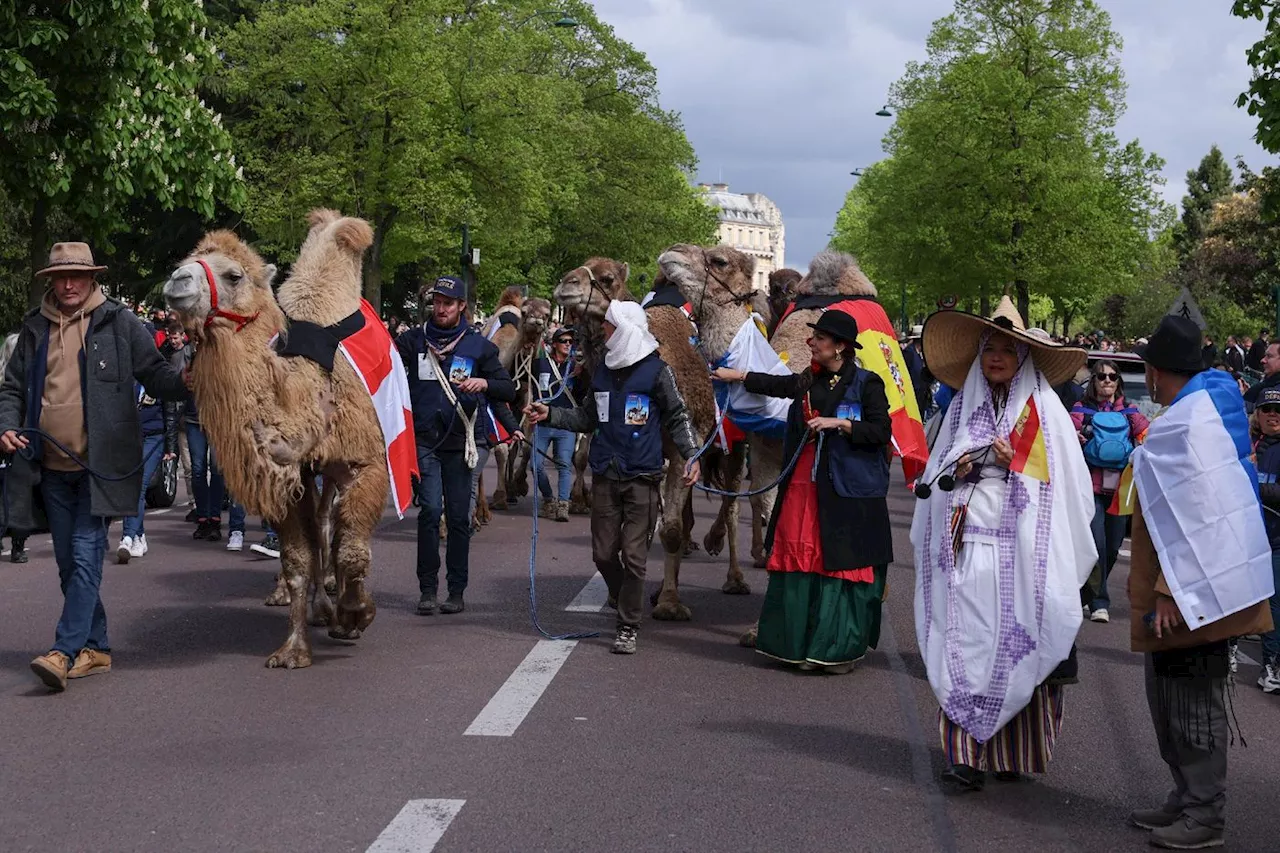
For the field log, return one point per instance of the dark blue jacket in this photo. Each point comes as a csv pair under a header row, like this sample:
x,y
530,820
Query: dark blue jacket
x,y
435,421
547,388
1267,460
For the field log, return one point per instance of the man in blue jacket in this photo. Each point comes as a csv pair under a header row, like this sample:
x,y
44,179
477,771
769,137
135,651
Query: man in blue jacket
x,y
452,370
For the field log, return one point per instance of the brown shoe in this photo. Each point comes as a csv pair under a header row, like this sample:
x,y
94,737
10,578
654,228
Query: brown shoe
x,y
52,668
90,662
562,510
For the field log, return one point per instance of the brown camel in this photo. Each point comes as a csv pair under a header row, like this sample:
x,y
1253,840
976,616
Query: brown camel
x,y
586,292
279,423
782,292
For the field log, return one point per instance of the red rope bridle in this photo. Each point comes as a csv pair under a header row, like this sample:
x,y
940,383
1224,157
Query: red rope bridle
x,y
215,312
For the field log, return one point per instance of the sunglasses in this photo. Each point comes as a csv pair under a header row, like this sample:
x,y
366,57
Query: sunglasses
x,y
1269,410
1107,377
563,341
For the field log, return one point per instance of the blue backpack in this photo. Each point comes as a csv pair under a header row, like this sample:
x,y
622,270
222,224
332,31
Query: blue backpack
x,y
1110,445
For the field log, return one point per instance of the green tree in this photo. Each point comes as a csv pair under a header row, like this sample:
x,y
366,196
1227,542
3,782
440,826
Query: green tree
x,y
1207,184
1262,98
99,108
1003,168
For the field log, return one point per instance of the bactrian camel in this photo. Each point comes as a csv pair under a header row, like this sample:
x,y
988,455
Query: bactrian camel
x,y
278,423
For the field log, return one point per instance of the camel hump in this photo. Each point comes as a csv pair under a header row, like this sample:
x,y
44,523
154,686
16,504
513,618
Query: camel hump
x,y
834,273
354,235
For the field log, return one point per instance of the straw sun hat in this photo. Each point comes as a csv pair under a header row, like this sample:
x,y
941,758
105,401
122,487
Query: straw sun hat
x,y
951,344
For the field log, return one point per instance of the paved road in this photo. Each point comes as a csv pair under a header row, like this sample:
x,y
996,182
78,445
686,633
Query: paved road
x,y
693,744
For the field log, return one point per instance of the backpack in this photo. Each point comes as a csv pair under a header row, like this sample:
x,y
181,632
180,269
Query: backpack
x,y
1110,445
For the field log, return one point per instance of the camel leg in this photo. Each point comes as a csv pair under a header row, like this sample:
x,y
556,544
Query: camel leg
x,y
279,596
357,517
766,465
675,496
713,542
481,516
734,583
579,504
321,613
689,545
295,566
500,498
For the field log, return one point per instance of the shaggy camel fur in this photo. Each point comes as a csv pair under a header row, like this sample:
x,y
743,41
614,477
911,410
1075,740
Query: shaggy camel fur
x,y
586,292
517,348
279,423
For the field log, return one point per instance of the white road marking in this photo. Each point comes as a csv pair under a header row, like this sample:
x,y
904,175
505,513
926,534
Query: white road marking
x,y
160,511
592,598
1243,658
418,827
521,691
1124,552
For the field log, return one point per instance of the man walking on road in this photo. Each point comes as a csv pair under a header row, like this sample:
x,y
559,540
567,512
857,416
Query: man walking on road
x,y
452,369
1200,574
72,376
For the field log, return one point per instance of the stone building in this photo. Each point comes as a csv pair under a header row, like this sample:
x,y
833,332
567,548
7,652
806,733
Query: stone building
x,y
750,223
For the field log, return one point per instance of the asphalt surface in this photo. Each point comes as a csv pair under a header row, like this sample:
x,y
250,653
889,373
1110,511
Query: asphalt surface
x,y
692,744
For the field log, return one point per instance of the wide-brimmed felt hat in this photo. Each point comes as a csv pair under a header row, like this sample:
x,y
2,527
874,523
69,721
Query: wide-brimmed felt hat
x,y
838,325
70,257
951,340
1174,346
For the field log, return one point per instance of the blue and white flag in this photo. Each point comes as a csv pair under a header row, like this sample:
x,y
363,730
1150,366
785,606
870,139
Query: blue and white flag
x,y
750,352
1198,493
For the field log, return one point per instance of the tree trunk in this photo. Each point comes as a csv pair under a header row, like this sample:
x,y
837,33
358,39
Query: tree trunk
x,y
1023,297
373,271
37,250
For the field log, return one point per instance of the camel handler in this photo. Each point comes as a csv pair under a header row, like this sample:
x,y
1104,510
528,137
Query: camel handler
x,y
634,399
1200,574
452,369
72,376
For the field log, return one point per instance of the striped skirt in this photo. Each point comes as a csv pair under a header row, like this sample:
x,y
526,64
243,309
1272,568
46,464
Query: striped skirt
x,y
1024,745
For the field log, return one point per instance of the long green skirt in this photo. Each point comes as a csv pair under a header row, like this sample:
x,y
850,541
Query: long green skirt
x,y
811,618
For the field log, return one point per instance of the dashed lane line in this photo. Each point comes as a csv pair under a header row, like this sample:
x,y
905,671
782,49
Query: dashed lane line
x,y
592,598
418,827
522,689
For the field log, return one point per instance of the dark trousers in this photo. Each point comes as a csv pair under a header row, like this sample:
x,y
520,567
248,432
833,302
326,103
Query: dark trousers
x,y
1199,773
623,513
445,487
204,471
1108,535
79,545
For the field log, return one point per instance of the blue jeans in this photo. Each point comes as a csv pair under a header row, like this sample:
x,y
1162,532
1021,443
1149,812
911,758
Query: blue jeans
x,y
445,486
152,454
236,520
79,544
1271,639
205,475
564,441
1108,534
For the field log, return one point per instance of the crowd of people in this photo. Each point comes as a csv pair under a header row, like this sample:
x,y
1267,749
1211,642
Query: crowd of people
x,y
1038,466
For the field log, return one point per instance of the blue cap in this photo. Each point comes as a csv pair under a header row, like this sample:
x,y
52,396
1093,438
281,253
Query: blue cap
x,y
1269,397
450,286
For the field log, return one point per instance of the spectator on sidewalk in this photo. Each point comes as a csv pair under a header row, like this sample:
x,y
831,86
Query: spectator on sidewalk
x,y
1267,457
1200,558
71,376
1257,350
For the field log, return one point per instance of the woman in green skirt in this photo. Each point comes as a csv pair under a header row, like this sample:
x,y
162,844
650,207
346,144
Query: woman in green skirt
x,y
829,539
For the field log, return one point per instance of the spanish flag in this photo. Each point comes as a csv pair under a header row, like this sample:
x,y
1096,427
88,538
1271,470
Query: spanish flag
x,y
1029,456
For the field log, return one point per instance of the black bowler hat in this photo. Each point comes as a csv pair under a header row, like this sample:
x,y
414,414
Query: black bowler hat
x,y
838,325
1174,346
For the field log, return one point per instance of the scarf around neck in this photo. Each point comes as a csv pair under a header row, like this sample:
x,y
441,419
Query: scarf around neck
x,y
442,341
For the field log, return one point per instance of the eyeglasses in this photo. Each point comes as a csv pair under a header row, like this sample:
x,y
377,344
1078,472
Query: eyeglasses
x,y
1106,377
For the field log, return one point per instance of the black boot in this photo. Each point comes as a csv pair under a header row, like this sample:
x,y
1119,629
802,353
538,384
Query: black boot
x,y
19,552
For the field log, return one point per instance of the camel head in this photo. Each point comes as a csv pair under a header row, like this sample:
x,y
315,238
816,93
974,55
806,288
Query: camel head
x,y
535,315
782,289
710,277
222,282
325,282
835,274
585,292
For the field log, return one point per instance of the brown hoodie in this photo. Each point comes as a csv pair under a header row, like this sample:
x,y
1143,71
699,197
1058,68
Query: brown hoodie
x,y
62,404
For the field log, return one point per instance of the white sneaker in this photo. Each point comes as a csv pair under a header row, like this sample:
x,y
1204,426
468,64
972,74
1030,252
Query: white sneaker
x,y
139,548
1100,615
1269,680
235,541
125,550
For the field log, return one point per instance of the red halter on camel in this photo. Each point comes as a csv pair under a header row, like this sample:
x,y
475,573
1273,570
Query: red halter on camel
x,y
215,312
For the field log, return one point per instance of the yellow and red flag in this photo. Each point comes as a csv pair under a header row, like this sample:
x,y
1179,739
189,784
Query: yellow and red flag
x,y
1122,501
1029,456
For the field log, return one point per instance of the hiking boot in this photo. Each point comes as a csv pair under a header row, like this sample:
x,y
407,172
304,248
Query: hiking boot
x,y
1152,818
52,669
562,510
1269,679
547,508
625,642
964,777
90,662
453,604
1185,834
18,555
1100,615
124,551
235,541
268,547
427,605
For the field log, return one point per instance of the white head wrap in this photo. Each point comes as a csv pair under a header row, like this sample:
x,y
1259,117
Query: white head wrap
x,y
632,340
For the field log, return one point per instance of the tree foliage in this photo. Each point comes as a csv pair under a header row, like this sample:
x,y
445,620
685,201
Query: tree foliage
x,y
99,109
1207,184
1003,168
1262,98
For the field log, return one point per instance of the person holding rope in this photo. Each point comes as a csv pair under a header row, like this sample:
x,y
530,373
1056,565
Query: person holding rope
x,y
826,584
634,399
452,369
554,384
71,378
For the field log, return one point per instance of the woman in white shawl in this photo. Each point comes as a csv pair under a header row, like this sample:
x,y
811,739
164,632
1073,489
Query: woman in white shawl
x,y
1002,544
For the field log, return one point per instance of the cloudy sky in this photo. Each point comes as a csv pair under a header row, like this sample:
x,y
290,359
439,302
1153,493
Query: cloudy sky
x,y
779,96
